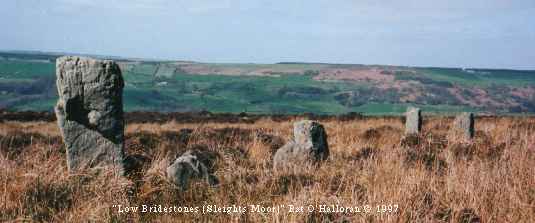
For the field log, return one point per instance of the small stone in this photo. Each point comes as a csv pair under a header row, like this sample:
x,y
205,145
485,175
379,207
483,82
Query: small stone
x,y
463,125
413,122
191,165
309,144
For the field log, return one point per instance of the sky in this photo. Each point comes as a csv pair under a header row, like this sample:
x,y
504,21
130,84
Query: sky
x,y
453,33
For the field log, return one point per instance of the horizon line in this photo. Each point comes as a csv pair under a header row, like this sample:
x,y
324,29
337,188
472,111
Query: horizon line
x,y
154,59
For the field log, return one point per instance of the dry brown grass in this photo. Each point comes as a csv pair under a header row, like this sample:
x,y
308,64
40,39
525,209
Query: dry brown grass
x,y
432,178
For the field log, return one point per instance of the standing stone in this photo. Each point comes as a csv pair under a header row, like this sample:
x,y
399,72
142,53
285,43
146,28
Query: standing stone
x,y
413,122
309,144
464,125
90,112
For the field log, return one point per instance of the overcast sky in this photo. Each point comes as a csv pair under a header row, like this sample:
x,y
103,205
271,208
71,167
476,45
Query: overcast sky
x,y
454,33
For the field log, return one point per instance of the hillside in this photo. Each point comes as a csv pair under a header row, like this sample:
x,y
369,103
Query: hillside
x,y
433,179
27,82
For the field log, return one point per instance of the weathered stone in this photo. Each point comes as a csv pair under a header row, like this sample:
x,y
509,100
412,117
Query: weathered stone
x,y
309,144
192,164
463,125
413,121
90,112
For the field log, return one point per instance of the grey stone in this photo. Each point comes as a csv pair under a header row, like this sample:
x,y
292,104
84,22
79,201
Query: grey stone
x,y
413,121
309,144
90,112
191,165
463,125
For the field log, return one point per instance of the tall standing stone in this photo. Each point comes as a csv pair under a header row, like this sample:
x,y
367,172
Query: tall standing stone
x,y
413,121
309,144
90,112
463,125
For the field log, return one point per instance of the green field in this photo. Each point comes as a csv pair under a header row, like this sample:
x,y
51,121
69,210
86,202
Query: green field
x,y
29,84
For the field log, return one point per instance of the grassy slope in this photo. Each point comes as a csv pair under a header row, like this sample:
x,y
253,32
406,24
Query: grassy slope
x,y
25,70
481,77
255,94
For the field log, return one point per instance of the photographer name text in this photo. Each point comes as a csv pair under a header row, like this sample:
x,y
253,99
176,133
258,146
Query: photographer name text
x,y
241,209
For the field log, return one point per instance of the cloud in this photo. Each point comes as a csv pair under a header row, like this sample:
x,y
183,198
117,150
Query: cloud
x,y
132,7
205,6
141,7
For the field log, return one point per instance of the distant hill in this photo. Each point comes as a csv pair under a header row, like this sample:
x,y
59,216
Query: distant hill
x,y
27,82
